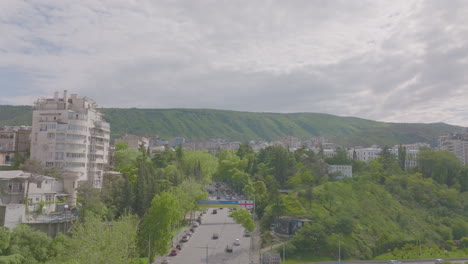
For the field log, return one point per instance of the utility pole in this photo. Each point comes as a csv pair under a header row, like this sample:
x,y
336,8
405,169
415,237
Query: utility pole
x,y
206,253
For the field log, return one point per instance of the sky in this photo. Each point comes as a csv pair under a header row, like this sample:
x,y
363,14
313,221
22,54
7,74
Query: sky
x,y
395,61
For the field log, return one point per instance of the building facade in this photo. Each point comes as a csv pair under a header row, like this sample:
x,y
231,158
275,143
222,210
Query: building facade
x,y
70,134
457,144
343,170
14,140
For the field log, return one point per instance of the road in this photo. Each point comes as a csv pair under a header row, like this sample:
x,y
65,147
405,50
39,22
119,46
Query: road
x,y
202,245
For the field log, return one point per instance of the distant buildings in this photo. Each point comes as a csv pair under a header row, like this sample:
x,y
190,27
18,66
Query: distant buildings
x,y
456,143
341,170
134,141
214,145
14,139
70,134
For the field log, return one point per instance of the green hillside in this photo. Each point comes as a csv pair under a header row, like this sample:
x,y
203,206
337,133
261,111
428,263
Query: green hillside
x,y
203,124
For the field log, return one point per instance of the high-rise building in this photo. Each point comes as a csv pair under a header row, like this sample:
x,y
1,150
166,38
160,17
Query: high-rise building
x,y
70,134
456,143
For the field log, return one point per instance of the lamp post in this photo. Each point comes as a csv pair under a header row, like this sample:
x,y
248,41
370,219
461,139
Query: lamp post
x,y
66,223
339,247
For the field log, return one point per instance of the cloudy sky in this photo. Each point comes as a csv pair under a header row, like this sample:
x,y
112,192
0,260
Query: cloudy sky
x,y
397,61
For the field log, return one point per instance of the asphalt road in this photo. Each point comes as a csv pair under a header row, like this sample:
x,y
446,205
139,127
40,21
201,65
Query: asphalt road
x,y
202,245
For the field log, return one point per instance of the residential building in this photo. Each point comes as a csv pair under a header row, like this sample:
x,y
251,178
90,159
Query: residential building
x,y
456,143
45,195
342,170
134,141
365,154
70,134
14,139
178,141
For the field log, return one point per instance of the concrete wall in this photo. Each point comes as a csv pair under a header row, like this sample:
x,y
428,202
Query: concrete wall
x,y
11,215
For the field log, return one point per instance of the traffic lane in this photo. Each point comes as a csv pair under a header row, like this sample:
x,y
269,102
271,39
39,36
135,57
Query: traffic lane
x,y
195,250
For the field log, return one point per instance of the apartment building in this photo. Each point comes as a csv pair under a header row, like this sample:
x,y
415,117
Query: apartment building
x,y
456,143
365,154
343,170
14,139
70,134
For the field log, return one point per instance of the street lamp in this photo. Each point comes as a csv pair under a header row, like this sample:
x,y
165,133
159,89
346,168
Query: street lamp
x,y
339,247
66,224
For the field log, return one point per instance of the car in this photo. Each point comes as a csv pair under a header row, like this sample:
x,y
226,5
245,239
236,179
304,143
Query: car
x,y
229,248
394,262
215,236
236,242
174,252
185,238
439,261
179,247
195,224
192,230
215,211
246,233
165,261
217,197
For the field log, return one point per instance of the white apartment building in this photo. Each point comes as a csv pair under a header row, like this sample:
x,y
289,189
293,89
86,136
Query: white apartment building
x,y
344,170
365,154
457,144
68,133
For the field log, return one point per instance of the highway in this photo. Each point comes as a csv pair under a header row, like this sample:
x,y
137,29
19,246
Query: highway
x,y
201,245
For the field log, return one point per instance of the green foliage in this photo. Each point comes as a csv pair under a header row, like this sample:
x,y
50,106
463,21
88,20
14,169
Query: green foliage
x,y
99,242
32,245
159,222
12,259
243,217
193,123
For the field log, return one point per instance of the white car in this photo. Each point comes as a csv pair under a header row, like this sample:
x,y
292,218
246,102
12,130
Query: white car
x,y
237,242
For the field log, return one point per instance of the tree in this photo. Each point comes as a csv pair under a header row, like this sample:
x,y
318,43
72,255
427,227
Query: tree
x,y
159,222
32,245
35,169
93,241
244,150
402,157
243,217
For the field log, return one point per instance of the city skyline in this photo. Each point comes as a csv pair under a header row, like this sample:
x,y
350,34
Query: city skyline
x,y
403,61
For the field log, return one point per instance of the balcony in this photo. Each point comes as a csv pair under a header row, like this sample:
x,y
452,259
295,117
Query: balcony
x,y
102,125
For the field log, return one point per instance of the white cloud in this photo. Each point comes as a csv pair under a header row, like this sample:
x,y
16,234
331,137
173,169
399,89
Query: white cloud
x,y
399,61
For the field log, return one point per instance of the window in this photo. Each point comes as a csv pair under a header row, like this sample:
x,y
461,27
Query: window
x,y
39,185
50,135
51,126
49,164
59,155
49,197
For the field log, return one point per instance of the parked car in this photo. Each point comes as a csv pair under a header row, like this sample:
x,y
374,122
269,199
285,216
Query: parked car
x,y
229,248
195,224
192,230
439,261
179,247
394,262
246,233
215,211
185,238
215,236
236,242
165,261
174,252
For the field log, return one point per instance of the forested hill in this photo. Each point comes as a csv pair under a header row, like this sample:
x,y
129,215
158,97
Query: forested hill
x,y
203,124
